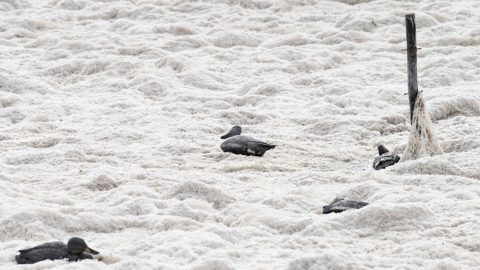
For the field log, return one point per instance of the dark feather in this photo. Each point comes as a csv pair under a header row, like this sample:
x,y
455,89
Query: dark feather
x,y
47,251
339,205
244,145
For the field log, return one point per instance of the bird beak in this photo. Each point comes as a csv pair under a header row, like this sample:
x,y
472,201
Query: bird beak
x,y
89,250
228,135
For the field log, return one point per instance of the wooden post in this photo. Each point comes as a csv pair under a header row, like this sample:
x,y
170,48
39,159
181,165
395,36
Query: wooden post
x,y
412,61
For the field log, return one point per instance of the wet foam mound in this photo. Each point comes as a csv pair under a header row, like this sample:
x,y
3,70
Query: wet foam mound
x,y
341,260
446,108
14,83
111,114
13,4
213,265
231,39
241,214
375,218
438,166
428,166
354,2
385,217
197,190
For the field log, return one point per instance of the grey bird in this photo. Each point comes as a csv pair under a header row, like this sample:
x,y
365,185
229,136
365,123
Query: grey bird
x,y
385,158
340,204
243,145
74,250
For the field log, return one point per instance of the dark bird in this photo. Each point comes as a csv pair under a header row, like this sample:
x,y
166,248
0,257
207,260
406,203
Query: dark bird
x,y
340,204
243,145
385,158
74,250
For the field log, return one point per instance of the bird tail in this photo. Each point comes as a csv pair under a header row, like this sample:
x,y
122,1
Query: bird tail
x,y
21,259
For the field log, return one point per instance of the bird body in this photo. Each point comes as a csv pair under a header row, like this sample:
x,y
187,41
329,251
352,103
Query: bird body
x,y
74,250
339,205
243,145
385,158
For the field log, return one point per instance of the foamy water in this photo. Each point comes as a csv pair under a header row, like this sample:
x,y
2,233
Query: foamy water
x,y
111,115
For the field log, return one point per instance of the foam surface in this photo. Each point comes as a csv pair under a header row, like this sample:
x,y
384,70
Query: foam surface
x,y
111,114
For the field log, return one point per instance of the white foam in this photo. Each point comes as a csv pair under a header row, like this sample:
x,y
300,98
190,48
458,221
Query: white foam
x,y
111,114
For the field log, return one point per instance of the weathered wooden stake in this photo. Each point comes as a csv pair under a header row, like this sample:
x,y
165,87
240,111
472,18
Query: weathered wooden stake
x,y
412,61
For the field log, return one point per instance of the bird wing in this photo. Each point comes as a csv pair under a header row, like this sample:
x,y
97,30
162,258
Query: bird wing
x,y
257,145
342,205
245,145
47,251
236,147
46,246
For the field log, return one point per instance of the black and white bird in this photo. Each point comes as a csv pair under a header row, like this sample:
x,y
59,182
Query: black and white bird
x,y
340,204
385,158
243,145
76,249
